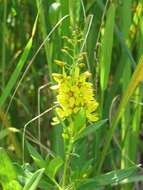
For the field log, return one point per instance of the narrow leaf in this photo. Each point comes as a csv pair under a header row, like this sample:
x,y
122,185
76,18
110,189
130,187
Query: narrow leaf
x,y
91,129
110,178
33,182
33,152
39,161
53,167
106,48
16,73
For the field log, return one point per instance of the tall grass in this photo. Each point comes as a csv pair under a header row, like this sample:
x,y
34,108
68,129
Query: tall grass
x,y
36,33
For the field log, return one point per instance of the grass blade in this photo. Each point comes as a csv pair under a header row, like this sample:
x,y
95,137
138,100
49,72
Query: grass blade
x,y
15,75
134,82
106,48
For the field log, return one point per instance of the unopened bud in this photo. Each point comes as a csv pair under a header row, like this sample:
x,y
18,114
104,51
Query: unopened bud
x,y
60,63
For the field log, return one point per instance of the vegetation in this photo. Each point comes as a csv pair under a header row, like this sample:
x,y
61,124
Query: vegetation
x,y
71,94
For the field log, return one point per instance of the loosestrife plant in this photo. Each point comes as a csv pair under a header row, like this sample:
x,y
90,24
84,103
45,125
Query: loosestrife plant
x,y
76,107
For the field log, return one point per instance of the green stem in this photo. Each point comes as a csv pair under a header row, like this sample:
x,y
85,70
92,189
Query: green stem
x,y
58,186
67,158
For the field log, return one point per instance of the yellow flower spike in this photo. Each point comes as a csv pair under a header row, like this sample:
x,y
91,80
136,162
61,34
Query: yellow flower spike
x,y
75,92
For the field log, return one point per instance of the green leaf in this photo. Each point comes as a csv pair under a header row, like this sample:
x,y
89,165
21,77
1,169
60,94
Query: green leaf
x,y
6,167
91,129
33,152
36,156
16,73
53,167
80,119
106,48
111,178
132,179
45,184
54,13
12,185
33,181
8,175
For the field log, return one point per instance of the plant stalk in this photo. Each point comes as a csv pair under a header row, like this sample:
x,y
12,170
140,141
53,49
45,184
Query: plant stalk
x,y
66,164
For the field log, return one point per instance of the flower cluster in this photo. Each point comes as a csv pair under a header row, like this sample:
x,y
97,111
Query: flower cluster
x,y
73,93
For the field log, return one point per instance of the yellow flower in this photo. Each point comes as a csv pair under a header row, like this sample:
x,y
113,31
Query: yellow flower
x,y
73,93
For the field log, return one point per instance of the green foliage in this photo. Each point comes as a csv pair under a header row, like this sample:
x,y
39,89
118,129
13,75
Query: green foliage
x,y
53,166
91,129
106,48
8,175
14,77
111,178
102,37
33,181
